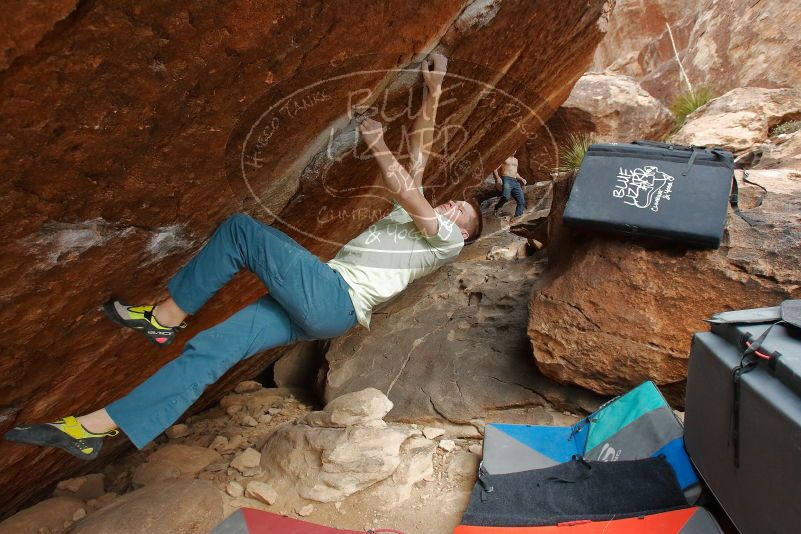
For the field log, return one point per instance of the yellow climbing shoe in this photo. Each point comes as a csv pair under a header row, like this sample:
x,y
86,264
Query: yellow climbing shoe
x,y
67,434
141,319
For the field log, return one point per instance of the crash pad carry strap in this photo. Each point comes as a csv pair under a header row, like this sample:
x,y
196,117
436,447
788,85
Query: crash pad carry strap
x,y
584,468
584,474
734,198
750,357
692,160
748,363
659,144
789,314
483,480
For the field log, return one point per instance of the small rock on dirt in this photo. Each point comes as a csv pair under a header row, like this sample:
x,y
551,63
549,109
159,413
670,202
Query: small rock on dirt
x,y
432,432
248,386
261,491
234,489
85,487
447,445
476,448
305,511
247,460
177,431
219,443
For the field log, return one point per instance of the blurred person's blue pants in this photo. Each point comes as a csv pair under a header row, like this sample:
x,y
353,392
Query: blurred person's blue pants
x,y
512,188
307,300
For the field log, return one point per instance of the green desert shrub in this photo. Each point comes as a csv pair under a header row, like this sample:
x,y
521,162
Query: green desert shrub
x,y
572,150
687,102
786,128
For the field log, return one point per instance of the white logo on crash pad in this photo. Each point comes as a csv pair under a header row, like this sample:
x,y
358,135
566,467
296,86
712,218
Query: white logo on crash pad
x,y
608,454
643,187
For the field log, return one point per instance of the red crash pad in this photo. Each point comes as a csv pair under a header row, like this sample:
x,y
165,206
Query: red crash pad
x,y
687,521
252,521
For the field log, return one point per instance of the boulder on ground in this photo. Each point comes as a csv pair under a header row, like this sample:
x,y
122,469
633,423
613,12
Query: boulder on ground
x,y
417,463
49,515
432,432
304,511
365,407
740,119
173,461
453,345
612,108
328,464
612,312
84,487
173,507
782,152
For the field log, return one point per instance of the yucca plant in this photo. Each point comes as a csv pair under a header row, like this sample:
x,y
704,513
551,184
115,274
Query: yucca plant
x,y
687,102
572,151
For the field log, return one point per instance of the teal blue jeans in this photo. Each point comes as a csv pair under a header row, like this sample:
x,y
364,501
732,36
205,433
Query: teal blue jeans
x,y
306,300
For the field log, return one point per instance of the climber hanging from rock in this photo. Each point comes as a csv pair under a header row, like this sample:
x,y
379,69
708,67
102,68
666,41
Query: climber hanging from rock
x,y
307,299
510,184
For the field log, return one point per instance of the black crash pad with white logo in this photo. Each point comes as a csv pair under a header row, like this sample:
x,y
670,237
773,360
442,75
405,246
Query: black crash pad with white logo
x,y
653,189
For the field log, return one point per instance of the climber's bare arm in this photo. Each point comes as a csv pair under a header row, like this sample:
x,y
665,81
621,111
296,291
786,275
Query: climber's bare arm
x,y
521,179
398,181
498,181
422,136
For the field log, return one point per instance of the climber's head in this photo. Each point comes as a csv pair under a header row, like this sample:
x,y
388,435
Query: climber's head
x,y
465,215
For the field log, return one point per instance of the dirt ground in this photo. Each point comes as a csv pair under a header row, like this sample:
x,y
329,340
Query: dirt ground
x,y
435,505
246,420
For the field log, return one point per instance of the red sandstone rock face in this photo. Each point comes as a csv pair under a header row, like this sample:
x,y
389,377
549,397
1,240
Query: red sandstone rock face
x,y
634,24
722,43
26,22
114,136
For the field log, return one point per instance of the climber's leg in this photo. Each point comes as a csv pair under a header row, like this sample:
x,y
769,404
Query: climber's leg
x,y
160,400
520,198
506,192
239,242
307,300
